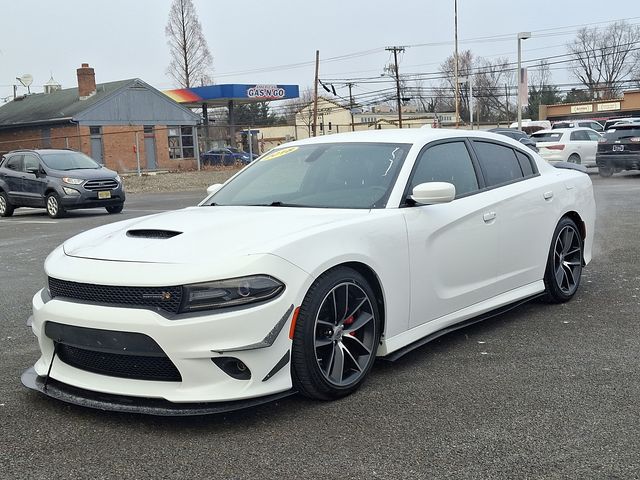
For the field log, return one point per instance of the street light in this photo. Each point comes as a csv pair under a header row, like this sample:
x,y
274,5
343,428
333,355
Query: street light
x,y
521,36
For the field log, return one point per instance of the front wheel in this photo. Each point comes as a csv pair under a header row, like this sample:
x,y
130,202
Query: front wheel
x,y
115,208
564,264
54,207
336,335
6,209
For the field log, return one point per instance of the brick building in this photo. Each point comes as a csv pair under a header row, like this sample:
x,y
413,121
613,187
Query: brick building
x,y
124,125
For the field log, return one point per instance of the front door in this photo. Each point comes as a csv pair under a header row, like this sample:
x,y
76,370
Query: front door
x,y
33,184
150,147
453,247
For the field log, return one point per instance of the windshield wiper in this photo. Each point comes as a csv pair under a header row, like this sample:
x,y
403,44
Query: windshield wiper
x,y
275,204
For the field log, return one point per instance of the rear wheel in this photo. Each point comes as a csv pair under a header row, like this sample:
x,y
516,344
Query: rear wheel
x,y
605,171
564,264
574,158
115,208
54,207
6,209
336,335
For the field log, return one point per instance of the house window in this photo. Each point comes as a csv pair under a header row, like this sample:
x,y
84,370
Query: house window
x,y
181,142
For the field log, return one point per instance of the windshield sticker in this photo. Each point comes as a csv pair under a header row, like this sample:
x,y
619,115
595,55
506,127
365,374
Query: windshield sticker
x,y
279,153
393,157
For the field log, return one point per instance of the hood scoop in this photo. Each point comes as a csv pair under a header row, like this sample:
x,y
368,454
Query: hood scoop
x,y
153,234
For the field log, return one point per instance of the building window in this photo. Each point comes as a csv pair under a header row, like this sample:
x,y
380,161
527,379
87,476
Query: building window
x,y
95,130
181,142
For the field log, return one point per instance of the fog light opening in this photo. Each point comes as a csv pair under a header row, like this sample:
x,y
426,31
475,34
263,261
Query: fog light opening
x,y
233,367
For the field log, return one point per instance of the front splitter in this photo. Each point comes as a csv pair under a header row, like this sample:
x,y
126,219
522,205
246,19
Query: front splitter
x,y
146,406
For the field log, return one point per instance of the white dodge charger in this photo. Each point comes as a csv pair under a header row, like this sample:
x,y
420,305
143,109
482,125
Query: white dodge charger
x,y
304,267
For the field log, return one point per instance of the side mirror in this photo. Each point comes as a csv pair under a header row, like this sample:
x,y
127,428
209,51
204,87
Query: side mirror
x,y
433,192
34,170
213,188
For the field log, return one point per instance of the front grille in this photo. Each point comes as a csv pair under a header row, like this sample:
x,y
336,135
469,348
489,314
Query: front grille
x,y
116,365
164,298
113,353
106,184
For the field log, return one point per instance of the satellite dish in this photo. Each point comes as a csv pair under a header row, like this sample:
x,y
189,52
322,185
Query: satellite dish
x,y
26,80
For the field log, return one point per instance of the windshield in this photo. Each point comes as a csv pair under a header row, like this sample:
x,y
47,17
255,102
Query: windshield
x,y
547,137
330,175
68,160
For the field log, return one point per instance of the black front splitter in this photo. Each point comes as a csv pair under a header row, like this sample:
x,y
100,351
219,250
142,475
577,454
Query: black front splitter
x,y
145,406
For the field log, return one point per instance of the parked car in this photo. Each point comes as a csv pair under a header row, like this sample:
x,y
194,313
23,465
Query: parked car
x,y
619,149
518,135
337,249
592,124
57,180
575,145
612,121
226,156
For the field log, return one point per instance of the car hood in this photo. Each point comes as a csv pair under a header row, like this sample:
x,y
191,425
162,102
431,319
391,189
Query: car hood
x,y
204,234
85,173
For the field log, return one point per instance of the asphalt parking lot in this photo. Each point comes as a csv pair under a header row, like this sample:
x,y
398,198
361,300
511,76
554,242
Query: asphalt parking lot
x,y
540,392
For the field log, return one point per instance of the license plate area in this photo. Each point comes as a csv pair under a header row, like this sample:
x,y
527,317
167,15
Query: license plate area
x,y
104,194
618,148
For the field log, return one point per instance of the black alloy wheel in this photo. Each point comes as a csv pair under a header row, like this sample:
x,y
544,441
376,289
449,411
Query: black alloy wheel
x,y
54,207
115,208
6,209
564,264
336,335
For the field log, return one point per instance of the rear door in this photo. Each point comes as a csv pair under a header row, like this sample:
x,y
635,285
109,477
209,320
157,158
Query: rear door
x,y
12,175
521,202
582,145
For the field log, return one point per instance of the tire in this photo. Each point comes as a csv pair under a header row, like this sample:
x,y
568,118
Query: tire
x,y
336,335
574,158
564,264
6,209
54,206
605,171
115,208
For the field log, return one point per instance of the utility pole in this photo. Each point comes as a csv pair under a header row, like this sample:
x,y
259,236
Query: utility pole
x,y
351,106
315,95
395,51
457,94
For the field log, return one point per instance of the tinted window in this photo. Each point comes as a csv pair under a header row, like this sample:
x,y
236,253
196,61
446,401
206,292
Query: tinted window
x,y
447,162
622,132
14,163
547,136
30,161
525,163
498,162
579,135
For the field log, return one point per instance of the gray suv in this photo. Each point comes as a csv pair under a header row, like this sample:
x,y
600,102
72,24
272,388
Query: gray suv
x,y
58,180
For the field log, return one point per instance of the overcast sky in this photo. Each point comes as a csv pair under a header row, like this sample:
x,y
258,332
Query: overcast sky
x,y
255,41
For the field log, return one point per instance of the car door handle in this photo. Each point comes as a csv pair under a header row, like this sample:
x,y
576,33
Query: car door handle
x,y
487,217
547,195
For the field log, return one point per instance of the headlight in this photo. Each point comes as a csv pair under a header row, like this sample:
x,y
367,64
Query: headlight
x,y
231,292
72,181
118,179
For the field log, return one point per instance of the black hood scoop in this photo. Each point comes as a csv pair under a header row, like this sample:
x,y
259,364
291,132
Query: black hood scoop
x,y
155,234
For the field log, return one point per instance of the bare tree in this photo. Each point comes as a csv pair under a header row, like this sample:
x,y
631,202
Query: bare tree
x,y
604,58
190,56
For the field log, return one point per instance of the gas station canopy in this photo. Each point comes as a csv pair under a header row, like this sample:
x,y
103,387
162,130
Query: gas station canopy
x,y
232,93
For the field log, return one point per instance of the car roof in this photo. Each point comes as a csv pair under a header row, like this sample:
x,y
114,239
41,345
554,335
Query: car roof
x,y
563,130
406,135
41,151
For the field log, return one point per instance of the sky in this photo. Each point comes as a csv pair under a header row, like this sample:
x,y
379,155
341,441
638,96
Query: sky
x,y
275,42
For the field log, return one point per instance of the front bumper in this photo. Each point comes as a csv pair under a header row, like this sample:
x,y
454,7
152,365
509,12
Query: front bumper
x,y
119,403
89,199
257,336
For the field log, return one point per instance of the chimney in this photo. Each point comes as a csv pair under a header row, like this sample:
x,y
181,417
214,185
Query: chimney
x,y
86,81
